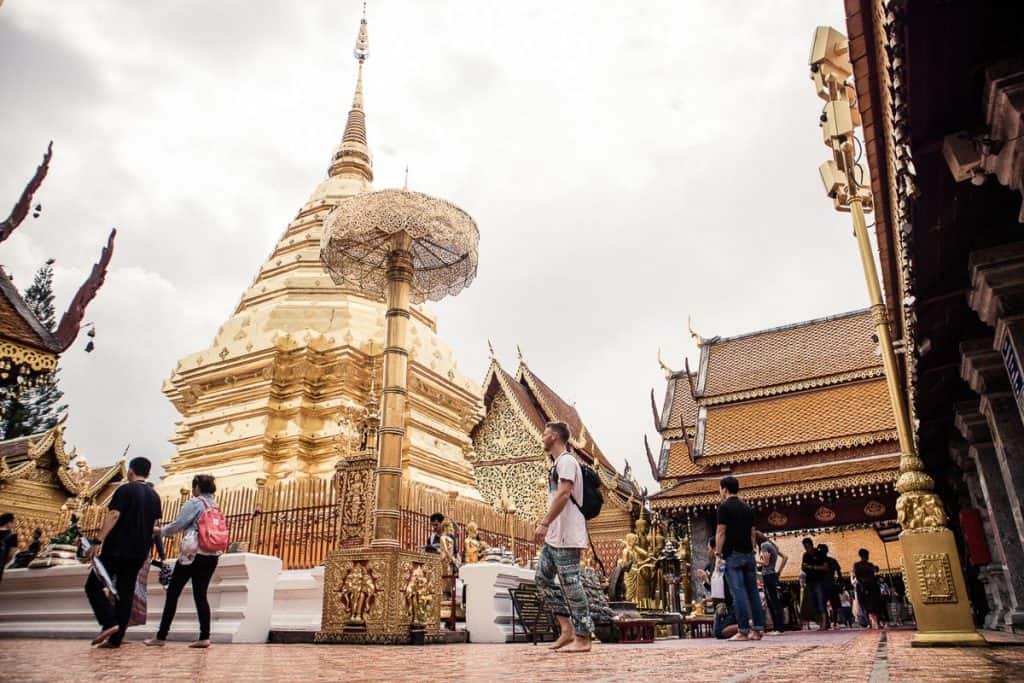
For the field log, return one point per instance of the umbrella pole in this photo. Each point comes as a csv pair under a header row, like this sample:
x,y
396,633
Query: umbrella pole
x,y
387,515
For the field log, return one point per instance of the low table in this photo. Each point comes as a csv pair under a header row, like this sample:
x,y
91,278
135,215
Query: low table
x,y
699,627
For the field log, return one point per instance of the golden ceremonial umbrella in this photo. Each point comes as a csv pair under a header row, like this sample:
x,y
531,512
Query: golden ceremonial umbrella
x,y
408,247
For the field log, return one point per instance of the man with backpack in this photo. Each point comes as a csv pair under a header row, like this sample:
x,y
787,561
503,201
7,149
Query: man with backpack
x,y
563,531
205,538
123,543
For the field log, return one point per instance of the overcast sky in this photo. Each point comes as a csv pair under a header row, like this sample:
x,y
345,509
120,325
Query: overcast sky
x,y
628,164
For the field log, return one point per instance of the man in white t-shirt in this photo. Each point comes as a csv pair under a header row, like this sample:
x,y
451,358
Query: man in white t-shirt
x,y
564,533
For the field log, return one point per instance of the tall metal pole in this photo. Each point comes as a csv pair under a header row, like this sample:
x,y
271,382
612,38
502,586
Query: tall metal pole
x,y
394,393
931,561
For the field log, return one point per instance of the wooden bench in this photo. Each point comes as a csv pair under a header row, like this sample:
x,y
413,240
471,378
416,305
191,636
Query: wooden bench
x,y
530,612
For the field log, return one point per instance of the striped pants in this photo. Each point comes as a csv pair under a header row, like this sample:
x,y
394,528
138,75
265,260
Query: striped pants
x,y
567,597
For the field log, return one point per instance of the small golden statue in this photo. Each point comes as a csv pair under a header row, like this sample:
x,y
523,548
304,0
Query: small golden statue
x,y
358,593
474,546
418,596
448,547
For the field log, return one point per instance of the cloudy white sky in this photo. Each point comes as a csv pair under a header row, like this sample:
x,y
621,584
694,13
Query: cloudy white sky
x,y
629,164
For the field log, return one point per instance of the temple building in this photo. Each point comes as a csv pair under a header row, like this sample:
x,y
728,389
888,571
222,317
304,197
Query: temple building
x,y
510,466
800,414
39,475
283,389
28,350
945,154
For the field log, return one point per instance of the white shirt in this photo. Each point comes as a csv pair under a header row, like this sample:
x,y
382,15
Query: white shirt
x,y
569,529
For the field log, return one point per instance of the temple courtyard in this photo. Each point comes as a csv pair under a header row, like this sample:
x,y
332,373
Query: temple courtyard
x,y
855,655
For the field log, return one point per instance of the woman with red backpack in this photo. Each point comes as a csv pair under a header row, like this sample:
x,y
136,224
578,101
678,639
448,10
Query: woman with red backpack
x,y
205,538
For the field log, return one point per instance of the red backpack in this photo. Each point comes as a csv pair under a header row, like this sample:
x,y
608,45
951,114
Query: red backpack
x,y
213,530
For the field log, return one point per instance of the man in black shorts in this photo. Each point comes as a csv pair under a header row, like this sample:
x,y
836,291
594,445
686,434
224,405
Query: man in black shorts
x,y
123,543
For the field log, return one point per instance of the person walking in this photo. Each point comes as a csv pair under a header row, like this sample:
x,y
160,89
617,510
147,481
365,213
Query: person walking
x,y
768,557
815,569
832,584
194,564
563,530
123,544
735,538
869,593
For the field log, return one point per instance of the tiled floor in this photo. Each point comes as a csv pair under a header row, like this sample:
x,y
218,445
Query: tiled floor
x,y
839,657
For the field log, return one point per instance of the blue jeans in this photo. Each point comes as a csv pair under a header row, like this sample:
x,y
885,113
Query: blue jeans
x,y
741,575
816,597
567,597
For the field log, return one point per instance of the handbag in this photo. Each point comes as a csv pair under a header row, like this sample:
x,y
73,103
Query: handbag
x,y
189,546
718,584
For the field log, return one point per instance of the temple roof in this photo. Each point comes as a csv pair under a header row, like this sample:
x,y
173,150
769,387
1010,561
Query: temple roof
x,y
851,414
771,482
811,387
20,457
537,404
818,351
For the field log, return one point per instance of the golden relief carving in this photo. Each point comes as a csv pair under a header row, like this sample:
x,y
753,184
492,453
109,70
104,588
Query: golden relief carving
x,y
37,361
503,438
358,595
935,576
418,596
920,511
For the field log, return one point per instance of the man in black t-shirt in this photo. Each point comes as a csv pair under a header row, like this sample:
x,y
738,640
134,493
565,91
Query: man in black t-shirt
x,y
124,542
815,570
734,541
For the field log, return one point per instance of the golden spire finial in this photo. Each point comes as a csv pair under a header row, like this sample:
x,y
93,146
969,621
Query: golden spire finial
x,y
519,352
352,158
490,347
405,186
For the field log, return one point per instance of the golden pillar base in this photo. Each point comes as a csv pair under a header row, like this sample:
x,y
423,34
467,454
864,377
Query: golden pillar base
x,y
374,596
935,583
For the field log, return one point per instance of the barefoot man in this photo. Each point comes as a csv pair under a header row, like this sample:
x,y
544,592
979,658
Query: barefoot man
x,y
564,533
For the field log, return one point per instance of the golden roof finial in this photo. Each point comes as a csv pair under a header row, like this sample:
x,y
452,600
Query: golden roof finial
x,y
353,155
405,186
490,347
693,334
519,352
668,371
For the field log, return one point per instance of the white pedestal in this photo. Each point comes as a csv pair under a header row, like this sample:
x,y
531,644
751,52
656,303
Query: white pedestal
x,y
51,603
298,600
488,605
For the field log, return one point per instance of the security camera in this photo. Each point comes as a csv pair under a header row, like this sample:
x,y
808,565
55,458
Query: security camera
x,y
832,178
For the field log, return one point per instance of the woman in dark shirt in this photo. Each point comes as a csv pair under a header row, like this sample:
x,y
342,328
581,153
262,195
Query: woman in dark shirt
x,y
869,593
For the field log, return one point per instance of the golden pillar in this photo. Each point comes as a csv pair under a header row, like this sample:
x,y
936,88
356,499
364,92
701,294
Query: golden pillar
x,y
408,247
387,514
932,568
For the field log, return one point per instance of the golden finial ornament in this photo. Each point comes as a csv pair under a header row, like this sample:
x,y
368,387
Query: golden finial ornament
x,y
490,348
519,353
693,333
668,371
362,48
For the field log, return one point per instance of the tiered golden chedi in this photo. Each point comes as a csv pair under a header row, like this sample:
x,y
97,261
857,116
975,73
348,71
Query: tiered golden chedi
x,y
281,392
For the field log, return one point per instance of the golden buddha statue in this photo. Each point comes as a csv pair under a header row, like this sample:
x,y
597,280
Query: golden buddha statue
x,y
474,546
641,572
418,597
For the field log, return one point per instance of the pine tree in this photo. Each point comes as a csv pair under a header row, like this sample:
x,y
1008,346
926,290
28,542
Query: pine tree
x,y
38,408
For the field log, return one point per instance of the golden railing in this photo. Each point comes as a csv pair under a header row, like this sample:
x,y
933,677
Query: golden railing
x,y
298,521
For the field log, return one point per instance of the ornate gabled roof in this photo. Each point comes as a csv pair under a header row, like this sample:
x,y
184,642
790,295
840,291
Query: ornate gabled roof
x,y
812,387
814,478
47,450
556,409
792,357
827,418
499,380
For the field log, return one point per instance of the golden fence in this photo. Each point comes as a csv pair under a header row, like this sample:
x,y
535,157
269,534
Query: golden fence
x,y
298,521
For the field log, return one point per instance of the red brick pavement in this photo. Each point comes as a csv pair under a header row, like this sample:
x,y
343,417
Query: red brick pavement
x,y
841,656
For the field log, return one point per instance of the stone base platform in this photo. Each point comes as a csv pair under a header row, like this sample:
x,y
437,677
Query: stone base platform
x,y
51,603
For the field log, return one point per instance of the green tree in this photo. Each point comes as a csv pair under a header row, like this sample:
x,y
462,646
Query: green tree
x,y
38,408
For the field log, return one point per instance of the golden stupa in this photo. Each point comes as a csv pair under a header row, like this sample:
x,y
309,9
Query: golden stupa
x,y
282,391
